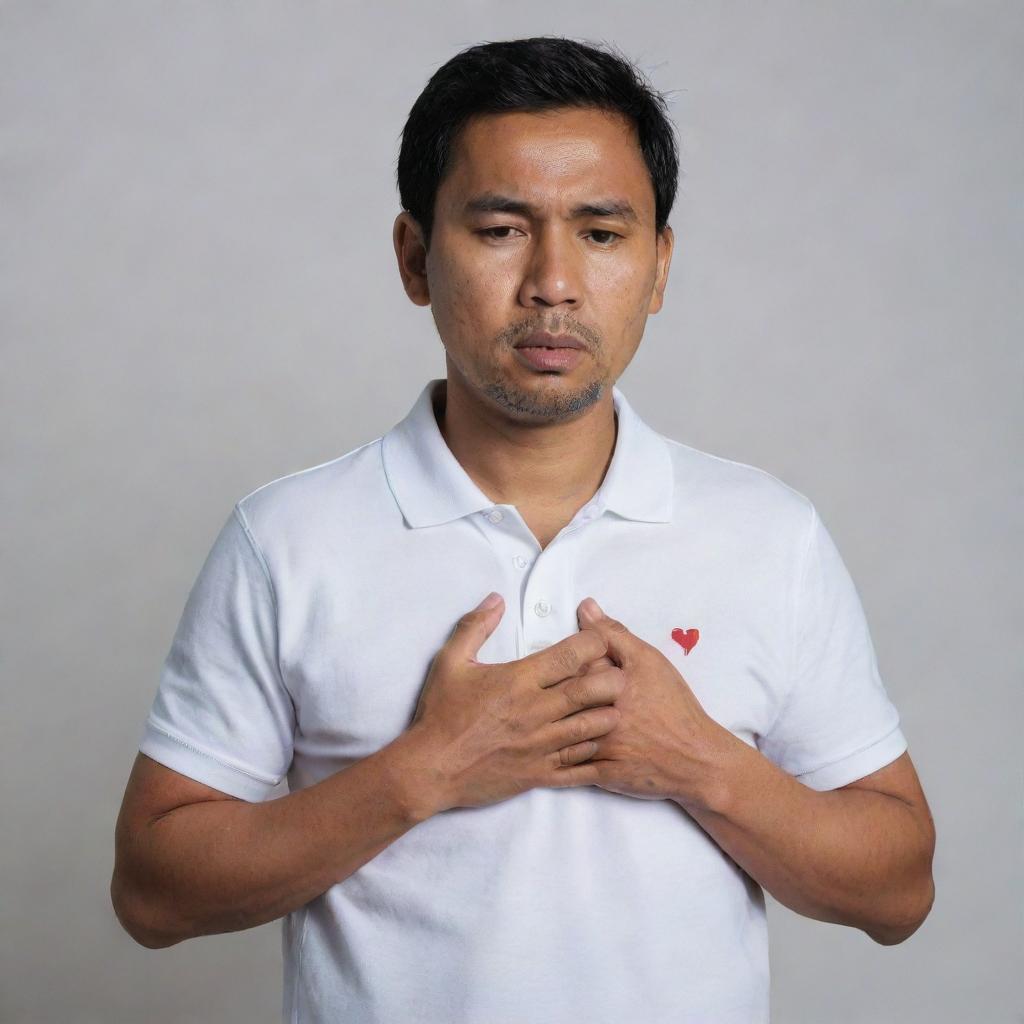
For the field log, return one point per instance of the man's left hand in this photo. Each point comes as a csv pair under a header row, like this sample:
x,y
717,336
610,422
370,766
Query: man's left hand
x,y
665,745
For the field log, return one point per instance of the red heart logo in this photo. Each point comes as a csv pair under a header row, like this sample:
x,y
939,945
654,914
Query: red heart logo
x,y
686,638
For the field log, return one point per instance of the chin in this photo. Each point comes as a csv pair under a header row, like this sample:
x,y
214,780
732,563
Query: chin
x,y
547,398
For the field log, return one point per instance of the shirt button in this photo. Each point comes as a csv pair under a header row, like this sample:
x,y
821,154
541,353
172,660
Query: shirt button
x,y
541,608
495,515
520,562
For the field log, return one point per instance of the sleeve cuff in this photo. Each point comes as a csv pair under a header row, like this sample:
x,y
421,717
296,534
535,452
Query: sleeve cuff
x,y
212,770
857,765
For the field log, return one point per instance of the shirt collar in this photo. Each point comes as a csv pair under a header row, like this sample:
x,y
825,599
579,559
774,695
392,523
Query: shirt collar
x,y
431,487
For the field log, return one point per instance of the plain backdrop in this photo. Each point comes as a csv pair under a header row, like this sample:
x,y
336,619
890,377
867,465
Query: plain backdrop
x,y
199,294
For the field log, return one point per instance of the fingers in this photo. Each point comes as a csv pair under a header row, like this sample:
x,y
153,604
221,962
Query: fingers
x,y
595,666
576,754
596,688
474,628
566,658
586,773
575,731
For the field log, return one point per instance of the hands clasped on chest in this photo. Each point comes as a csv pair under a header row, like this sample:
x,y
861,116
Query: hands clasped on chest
x,y
601,707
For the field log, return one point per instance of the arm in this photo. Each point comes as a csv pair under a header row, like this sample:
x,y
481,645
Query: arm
x,y
193,860
219,864
860,855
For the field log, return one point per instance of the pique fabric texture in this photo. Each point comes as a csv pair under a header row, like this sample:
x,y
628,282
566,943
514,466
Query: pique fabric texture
x,y
307,637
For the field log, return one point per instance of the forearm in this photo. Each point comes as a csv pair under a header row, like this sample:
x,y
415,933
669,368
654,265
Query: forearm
x,y
227,865
851,857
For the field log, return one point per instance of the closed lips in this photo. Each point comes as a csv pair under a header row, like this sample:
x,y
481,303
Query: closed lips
x,y
543,340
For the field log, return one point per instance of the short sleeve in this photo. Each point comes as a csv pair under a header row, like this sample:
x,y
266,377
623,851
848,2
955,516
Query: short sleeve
x,y
837,723
222,714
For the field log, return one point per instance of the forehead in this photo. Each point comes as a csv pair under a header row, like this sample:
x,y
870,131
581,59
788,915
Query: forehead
x,y
548,156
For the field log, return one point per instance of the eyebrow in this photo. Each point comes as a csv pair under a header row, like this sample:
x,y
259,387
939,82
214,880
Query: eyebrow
x,y
491,202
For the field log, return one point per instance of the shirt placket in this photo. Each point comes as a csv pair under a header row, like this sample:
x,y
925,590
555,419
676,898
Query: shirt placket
x,y
538,584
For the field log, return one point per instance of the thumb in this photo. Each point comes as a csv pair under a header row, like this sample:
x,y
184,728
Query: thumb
x,y
617,637
476,626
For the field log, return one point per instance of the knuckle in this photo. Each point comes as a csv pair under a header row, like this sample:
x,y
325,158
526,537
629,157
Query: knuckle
x,y
567,659
571,697
580,729
592,667
596,645
466,620
605,686
575,697
575,754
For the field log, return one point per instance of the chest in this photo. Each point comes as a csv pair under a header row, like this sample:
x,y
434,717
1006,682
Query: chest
x,y
357,640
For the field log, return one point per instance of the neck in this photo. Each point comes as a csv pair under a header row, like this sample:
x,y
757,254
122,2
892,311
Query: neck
x,y
532,466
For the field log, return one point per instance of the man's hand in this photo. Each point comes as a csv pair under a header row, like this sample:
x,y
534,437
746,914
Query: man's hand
x,y
665,745
484,732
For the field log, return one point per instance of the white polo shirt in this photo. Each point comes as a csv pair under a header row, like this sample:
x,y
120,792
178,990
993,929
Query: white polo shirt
x,y
308,635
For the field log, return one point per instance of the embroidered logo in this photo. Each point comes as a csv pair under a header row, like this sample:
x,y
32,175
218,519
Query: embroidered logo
x,y
686,638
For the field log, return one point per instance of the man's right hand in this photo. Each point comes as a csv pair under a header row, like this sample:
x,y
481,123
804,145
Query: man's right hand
x,y
485,732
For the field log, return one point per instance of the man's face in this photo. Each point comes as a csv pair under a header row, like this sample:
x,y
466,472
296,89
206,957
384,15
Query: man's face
x,y
544,222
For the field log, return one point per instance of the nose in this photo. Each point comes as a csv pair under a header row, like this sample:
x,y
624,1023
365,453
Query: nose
x,y
551,275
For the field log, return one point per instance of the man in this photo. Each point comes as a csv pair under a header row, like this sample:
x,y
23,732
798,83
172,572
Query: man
x,y
562,802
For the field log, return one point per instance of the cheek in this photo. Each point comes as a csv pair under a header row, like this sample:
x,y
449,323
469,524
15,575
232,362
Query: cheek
x,y
628,290
477,296
451,292
624,277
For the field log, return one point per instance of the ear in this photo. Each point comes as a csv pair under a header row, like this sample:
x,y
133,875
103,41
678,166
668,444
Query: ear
x,y
665,242
412,258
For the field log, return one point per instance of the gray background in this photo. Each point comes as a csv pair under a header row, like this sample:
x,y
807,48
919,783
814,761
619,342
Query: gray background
x,y
199,295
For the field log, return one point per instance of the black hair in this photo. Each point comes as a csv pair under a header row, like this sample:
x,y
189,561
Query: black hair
x,y
535,74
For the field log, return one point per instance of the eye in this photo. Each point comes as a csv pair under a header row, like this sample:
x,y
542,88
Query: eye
x,y
611,235
498,227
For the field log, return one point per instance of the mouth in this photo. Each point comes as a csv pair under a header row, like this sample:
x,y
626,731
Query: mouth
x,y
550,353
551,342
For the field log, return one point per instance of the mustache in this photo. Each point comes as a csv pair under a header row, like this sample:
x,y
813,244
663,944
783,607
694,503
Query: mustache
x,y
515,333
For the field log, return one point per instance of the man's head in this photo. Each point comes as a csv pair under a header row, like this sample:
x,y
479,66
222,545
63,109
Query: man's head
x,y
537,176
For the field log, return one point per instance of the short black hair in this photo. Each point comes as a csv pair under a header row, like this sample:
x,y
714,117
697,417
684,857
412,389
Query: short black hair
x,y
539,73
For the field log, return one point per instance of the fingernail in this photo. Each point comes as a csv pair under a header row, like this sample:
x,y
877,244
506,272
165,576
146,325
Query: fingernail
x,y
490,600
591,607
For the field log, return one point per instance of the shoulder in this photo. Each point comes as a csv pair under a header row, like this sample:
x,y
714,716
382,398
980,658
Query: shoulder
x,y
716,485
755,526
326,493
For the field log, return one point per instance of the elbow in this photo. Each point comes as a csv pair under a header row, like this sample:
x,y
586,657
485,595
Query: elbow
x,y
918,896
891,936
136,919
892,933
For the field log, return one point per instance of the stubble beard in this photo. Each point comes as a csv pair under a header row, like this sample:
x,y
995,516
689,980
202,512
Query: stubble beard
x,y
545,406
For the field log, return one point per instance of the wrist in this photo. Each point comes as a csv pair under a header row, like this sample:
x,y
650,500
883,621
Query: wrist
x,y
724,762
418,785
